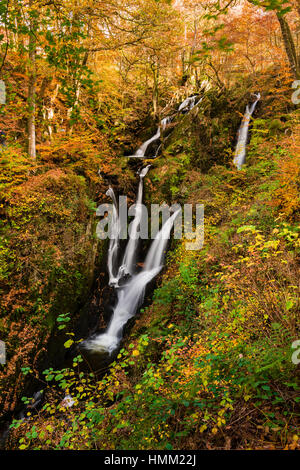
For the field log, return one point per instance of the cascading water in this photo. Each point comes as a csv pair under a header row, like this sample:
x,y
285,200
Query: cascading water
x,y
128,262
141,152
155,256
240,151
187,105
130,296
165,122
114,242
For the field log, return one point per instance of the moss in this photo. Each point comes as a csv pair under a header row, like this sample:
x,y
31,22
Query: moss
x,y
48,256
199,140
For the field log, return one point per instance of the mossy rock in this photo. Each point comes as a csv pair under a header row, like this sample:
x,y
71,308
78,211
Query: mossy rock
x,y
275,126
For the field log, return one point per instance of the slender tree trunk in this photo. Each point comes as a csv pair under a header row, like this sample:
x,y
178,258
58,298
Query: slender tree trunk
x,y
77,87
32,90
289,46
218,80
155,99
298,7
183,71
155,91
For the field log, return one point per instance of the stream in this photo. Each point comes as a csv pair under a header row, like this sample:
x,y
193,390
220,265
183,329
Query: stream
x,y
125,277
128,277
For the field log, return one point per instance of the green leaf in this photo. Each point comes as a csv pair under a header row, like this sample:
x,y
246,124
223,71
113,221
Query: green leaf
x,y
68,343
246,228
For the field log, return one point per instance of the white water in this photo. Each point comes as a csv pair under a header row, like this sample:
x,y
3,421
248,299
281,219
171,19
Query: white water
x,y
144,171
165,122
189,103
131,295
128,263
155,256
240,151
140,153
114,242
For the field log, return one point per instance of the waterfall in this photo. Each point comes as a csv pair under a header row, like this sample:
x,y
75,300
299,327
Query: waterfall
x,y
155,256
130,296
240,151
114,242
165,122
140,153
189,103
128,262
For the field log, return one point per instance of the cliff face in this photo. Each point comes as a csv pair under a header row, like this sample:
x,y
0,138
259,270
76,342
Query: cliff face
x,y
48,260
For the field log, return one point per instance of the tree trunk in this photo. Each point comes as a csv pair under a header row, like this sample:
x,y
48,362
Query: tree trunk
x,y
32,90
155,91
221,85
77,86
155,100
298,7
289,46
